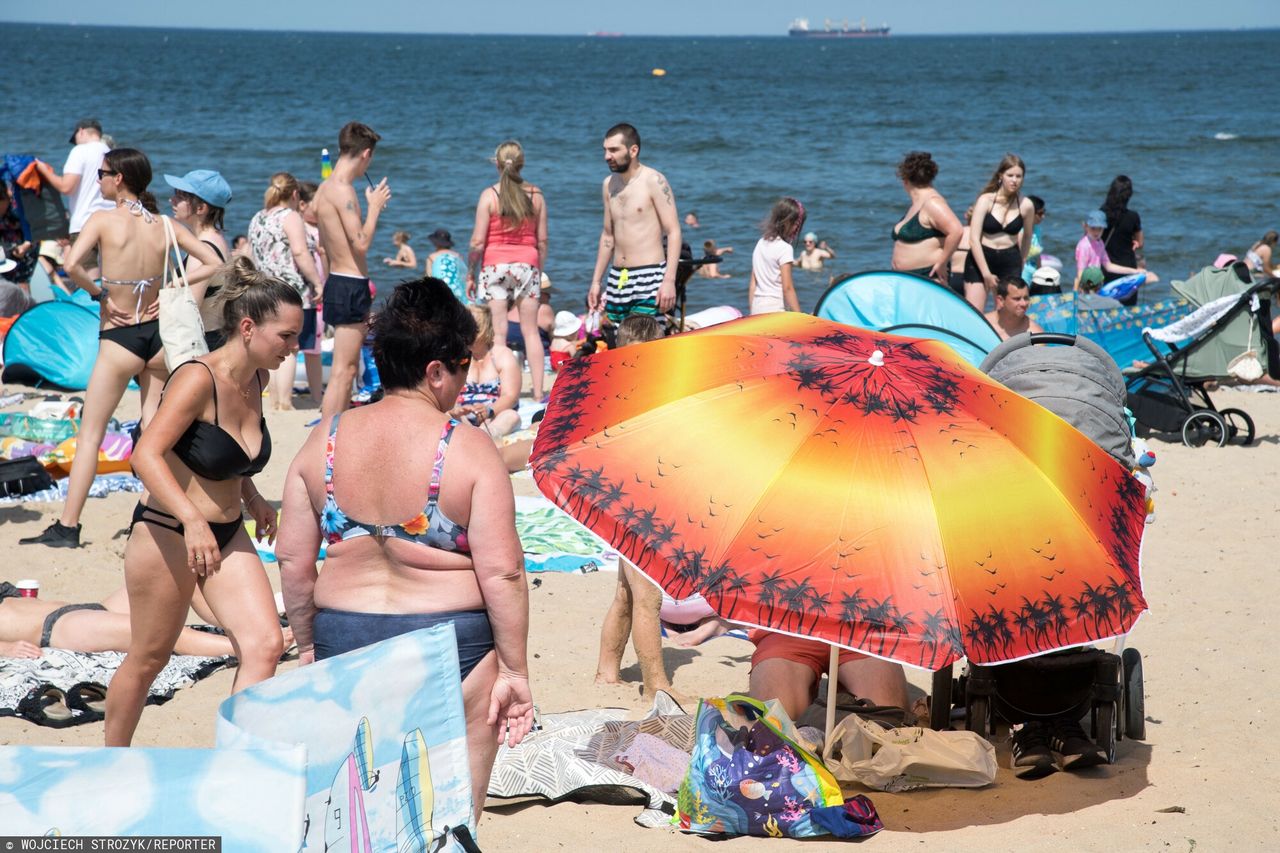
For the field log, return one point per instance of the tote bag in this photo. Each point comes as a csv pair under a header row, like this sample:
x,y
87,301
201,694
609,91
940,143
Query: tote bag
x,y
181,330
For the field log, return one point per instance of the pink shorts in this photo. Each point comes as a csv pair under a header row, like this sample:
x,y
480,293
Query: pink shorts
x,y
812,653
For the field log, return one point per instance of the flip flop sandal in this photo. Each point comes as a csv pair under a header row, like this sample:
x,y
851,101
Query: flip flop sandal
x,y
88,697
46,705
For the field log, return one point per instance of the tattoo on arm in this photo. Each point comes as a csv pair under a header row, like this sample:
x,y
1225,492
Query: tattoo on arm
x,y
666,190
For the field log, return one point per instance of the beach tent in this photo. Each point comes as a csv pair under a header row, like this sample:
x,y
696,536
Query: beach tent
x,y
1118,329
52,343
905,304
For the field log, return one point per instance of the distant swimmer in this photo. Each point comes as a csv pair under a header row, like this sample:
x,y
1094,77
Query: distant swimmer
x,y
814,253
691,219
711,250
1013,296
639,211
346,241
928,234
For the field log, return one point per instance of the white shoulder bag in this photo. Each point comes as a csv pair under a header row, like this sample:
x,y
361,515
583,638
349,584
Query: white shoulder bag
x,y
181,330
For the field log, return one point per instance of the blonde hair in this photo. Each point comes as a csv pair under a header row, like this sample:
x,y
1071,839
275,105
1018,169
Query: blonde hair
x,y
244,290
514,204
484,324
1007,162
280,190
638,329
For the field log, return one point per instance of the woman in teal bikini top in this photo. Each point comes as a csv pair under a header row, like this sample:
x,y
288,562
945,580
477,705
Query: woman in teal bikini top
x,y
921,249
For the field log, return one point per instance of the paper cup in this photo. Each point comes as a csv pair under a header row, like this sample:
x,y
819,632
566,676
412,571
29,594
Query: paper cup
x,y
28,588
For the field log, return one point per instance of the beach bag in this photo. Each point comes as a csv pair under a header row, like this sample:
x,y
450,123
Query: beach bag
x,y
181,330
749,775
1247,366
22,477
908,758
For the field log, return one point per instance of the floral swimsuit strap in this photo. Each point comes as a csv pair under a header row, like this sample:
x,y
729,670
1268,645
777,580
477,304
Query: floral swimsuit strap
x,y
433,490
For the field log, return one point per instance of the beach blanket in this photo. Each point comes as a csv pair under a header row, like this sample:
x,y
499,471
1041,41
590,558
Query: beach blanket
x,y
383,733
64,669
553,542
103,485
1195,322
600,755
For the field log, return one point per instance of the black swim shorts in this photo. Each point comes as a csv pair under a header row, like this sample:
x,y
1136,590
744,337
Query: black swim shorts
x,y
346,299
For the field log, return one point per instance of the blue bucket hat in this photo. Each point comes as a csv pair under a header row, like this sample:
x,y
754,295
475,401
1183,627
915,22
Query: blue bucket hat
x,y
1096,219
205,184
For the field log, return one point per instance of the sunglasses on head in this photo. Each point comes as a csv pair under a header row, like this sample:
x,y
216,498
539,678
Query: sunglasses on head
x,y
102,173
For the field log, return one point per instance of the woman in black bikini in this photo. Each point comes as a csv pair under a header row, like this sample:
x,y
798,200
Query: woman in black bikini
x,y
1000,233
196,459
925,239
131,242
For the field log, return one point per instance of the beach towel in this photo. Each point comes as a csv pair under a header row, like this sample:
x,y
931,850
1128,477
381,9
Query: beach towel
x,y
554,542
65,669
597,755
1195,322
103,485
384,735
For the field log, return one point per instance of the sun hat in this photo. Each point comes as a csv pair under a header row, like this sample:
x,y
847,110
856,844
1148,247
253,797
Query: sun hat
x,y
81,125
1092,276
1046,277
7,264
546,283
811,236
205,184
1096,219
441,239
567,324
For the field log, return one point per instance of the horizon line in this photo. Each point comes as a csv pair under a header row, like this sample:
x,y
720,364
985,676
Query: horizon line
x,y
612,34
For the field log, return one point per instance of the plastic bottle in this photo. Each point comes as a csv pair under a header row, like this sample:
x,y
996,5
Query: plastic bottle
x,y
326,165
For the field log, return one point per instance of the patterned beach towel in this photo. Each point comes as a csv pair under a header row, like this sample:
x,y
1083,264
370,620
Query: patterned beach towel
x,y
596,755
103,485
64,669
553,542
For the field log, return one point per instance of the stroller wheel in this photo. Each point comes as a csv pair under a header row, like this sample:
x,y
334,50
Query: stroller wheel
x,y
940,700
1104,729
1239,426
1135,706
1204,427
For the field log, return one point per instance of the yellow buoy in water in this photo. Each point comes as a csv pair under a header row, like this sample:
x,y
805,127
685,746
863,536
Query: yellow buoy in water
x,y
659,72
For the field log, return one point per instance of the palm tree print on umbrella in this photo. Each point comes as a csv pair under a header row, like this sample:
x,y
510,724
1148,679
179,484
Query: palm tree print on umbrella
x,y
870,491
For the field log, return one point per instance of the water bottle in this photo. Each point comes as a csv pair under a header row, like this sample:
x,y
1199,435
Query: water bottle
x,y
326,165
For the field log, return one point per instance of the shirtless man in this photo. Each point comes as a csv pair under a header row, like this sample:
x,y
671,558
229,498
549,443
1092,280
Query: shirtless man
x,y
1010,317
639,210
346,241
814,253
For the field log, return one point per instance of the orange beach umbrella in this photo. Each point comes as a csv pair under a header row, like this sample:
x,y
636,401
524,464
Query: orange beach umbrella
x,y
870,491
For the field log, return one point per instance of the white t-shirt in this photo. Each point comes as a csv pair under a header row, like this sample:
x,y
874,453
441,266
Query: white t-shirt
x,y
766,264
85,160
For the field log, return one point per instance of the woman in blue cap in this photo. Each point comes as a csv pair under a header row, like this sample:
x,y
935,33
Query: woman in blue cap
x,y
199,201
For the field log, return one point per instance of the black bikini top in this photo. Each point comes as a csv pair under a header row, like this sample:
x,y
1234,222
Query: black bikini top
x,y
210,451
991,225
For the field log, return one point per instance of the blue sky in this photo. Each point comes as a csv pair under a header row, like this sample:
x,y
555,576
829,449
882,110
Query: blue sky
x,y
659,17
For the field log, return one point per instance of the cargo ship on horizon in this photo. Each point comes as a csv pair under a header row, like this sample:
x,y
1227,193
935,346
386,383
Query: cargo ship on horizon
x,y
800,29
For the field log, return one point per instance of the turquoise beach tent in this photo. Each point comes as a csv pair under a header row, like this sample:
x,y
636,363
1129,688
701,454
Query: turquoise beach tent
x,y
52,343
905,304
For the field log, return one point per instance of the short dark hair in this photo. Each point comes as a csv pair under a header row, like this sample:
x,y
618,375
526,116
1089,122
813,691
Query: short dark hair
x,y
422,322
918,169
1036,202
1002,286
356,138
630,136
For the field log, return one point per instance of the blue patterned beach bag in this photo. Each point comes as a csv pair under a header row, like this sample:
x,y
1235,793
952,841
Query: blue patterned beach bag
x,y
749,775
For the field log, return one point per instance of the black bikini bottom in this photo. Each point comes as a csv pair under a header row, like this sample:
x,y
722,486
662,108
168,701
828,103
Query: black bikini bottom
x,y
223,531
141,339
46,633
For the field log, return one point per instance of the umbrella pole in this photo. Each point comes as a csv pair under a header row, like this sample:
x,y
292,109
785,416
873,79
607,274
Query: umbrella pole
x,y
833,678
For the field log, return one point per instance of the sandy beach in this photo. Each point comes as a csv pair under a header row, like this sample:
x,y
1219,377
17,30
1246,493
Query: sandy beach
x,y
1203,780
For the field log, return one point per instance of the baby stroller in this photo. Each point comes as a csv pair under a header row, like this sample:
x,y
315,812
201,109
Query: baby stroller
x,y
1223,339
1078,381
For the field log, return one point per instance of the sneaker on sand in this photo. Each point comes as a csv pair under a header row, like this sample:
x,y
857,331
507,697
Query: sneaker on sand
x,y
1031,756
1067,738
56,535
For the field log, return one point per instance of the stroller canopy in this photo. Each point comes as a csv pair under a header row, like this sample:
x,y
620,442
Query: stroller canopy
x,y
1238,332
906,304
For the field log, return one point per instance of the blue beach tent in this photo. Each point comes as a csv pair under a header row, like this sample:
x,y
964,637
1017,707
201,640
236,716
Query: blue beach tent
x,y
53,343
905,304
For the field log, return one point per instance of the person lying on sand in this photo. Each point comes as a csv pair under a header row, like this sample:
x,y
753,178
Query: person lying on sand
x,y
28,625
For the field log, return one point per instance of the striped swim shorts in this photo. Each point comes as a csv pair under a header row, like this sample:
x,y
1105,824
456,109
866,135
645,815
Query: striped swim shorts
x,y
633,290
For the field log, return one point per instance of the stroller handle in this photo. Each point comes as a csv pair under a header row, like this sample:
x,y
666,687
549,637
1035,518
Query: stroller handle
x,y
1060,338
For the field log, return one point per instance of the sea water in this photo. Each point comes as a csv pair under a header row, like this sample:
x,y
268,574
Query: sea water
x,y
734,124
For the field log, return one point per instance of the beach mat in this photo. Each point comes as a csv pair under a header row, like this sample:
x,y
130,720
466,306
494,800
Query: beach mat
x,y
553,541
383,733
595,755
103,485
65,669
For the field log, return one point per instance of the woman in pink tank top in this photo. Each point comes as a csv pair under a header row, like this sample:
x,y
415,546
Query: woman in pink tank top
x,y
508,253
